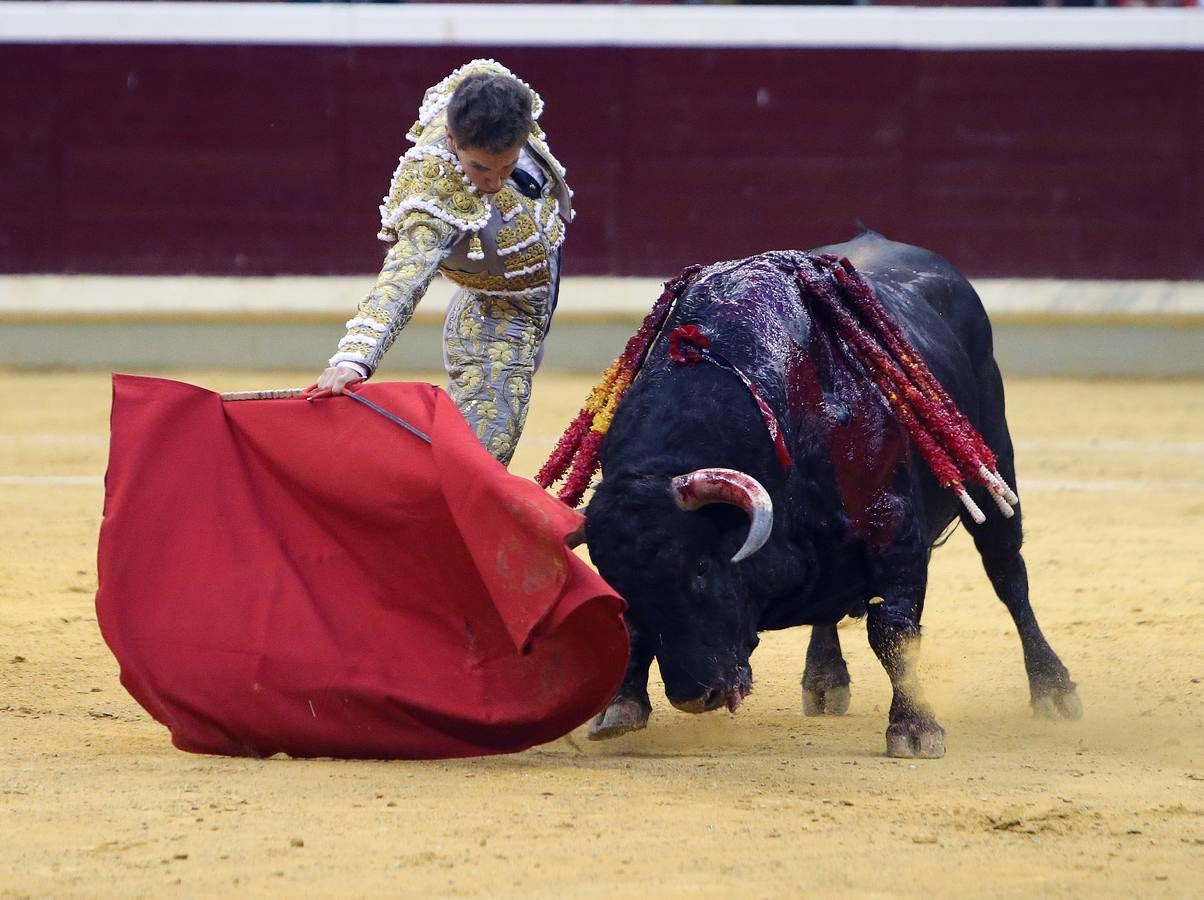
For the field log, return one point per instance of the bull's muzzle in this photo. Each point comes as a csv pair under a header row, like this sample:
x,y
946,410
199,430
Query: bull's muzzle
x,y
731,697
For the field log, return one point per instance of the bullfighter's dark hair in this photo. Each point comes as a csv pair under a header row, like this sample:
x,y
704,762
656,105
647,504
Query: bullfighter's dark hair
x,y
491,112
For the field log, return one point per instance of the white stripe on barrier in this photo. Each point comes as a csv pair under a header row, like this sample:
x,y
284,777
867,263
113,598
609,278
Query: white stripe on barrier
x,y
52,296
619,25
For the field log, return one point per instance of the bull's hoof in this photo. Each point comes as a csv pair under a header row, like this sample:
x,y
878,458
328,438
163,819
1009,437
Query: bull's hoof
x,y
622,715
1058,704
915,739
828,701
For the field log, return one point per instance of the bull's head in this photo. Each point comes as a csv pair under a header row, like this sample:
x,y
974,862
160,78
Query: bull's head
x,y
675,548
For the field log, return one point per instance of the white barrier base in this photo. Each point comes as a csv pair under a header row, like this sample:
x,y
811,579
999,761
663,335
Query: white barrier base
x,y
1042,327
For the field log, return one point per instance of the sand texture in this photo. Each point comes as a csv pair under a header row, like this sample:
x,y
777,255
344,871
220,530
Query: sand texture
x,y
94,801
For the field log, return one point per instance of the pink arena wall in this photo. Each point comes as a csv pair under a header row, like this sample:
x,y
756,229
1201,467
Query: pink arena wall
x,y
242,159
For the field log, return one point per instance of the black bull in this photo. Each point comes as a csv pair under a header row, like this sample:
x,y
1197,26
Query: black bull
x,y
855,513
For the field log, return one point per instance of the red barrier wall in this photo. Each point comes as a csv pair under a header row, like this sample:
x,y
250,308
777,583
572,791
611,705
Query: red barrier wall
x,y
272,159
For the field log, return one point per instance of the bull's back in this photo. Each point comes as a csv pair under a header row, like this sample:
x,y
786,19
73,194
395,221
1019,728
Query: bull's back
x,y
942,315
903,275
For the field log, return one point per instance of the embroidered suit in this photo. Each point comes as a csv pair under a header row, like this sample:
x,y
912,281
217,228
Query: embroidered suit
x,y
501,249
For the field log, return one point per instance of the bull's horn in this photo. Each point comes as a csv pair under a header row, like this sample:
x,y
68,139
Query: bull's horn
x,y
703,486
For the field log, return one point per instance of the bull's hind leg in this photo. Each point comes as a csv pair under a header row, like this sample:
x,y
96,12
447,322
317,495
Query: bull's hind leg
x,y
998,541
630,708
826,676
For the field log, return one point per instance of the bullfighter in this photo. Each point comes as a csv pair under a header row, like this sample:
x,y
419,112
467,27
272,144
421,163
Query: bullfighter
x,y
481,199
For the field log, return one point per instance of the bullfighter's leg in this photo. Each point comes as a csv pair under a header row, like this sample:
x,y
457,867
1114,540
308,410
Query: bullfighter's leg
x,y
893,626
826,676
630,708
998,541
490,351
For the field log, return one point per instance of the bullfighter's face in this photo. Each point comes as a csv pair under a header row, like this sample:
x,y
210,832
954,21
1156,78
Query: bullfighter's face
x,y
487,171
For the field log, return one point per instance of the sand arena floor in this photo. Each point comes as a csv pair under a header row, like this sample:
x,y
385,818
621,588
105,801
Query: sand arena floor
x,y
94,801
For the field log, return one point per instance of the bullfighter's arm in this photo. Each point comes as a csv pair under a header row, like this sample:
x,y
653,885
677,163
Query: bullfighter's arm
x,y
423,242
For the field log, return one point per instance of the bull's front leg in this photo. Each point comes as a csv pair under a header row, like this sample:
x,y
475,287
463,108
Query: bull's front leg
x,y
893,625
630,708
826,675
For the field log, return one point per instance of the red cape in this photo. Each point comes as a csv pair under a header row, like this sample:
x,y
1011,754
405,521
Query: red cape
x,y
310,578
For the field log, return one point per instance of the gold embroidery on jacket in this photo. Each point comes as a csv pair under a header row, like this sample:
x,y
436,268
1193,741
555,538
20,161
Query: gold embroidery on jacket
x,y
429,180
422,243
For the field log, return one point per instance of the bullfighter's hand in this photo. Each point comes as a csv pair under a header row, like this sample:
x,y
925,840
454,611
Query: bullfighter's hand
x,y
337,379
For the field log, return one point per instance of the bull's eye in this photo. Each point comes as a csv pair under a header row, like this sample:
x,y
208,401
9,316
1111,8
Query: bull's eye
x,y
704,567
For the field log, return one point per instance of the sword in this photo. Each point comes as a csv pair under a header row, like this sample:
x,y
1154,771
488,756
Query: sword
x,y
286,393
